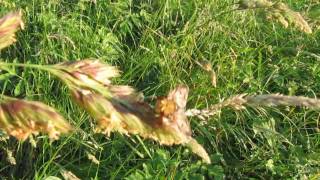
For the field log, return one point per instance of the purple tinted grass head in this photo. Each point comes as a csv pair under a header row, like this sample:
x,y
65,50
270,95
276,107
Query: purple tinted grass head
x,y
127,114
21,118
90,71
9,24
121,109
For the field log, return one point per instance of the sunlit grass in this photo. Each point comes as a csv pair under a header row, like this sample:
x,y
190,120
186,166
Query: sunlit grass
x,y
156,45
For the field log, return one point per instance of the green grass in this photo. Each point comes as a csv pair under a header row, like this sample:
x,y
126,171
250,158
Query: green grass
x,y
156,45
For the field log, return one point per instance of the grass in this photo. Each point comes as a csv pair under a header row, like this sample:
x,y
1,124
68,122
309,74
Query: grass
x,y
156,45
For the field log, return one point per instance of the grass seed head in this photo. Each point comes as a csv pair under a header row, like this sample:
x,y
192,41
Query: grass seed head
x,y
278,12
21,118
123,109
252,4
90,70
9,24
124,113
129,117
282,100
207,66
284,15
68,175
